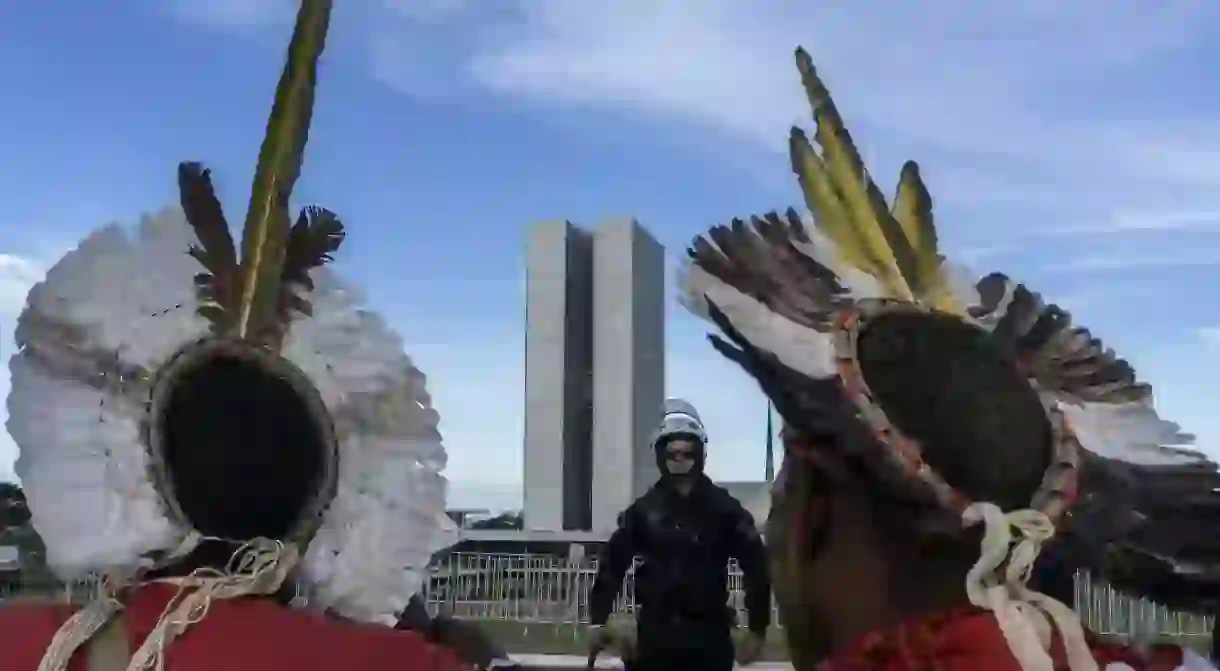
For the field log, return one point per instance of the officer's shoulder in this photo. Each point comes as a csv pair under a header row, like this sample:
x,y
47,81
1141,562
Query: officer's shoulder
x,y
726,502
654,496
731,512
635,510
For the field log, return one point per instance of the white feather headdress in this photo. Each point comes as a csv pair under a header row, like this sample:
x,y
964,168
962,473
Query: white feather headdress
x,y
104,340
121,305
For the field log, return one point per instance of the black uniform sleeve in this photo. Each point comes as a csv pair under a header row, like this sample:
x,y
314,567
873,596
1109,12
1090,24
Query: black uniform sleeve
x,y
752,558
612,564
415,616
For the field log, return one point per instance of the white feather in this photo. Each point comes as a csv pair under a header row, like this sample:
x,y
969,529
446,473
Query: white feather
x,y
803,349
961,282
371,553
85,469
820,248
135,296
1131,432
991,319
81,460
343,347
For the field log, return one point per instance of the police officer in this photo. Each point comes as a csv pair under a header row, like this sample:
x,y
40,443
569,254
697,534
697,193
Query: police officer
x,y
684,529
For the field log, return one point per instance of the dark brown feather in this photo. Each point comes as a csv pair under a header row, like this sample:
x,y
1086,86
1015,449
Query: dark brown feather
x,y
991,290
312,242
814,407
1149,530
216,288
1074,362
758,258
1064,358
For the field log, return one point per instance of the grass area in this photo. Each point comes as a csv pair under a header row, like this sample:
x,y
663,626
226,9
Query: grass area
x,y
566,639
1200,644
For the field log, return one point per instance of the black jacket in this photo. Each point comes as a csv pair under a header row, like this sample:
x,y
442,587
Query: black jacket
x,y
685,543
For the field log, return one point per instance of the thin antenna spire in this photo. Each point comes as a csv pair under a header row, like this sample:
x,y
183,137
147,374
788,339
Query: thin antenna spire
x,y
770,465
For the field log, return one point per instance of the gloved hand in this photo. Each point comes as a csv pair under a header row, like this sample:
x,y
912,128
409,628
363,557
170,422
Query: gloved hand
x,y
617,637
598,638
747,646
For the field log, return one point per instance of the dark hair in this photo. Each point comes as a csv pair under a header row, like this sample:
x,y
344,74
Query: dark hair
x,y
950,386
245,449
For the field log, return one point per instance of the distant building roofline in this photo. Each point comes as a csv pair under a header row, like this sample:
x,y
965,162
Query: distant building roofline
x,y
533,536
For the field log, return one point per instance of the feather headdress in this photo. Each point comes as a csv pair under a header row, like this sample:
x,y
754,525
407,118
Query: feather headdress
x,y
1147,530
123,323
849,319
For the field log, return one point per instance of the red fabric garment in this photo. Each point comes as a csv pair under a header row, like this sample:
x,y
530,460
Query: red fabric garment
x,y
964,640
237,635
971,640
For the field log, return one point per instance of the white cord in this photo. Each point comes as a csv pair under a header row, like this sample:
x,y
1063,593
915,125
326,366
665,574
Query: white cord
x,y
1021,612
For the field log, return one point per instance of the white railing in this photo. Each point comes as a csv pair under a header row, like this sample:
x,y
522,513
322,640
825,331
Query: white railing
x,y
76,592
547,589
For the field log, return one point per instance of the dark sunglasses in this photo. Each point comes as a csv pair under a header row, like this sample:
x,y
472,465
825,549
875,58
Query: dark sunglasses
x,y
679,453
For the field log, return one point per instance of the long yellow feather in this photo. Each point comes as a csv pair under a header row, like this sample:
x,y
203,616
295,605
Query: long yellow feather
x,y
913,212
268,223
828,209
868,236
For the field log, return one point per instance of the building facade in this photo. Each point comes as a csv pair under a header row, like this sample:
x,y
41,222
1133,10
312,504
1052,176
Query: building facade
x,y
558,377
628,365
594,371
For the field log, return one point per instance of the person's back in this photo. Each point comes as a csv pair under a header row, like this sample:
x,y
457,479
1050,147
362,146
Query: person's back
x,y
930,448
239,465
252,634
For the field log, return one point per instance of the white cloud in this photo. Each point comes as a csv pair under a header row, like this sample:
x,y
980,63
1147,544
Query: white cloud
x,y
1041,114
1005,103
1151,222
1210,336
17,275
1102,262
964,75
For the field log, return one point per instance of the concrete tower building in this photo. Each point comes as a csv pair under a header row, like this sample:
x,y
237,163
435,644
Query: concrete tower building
x,y
594,372
628,365
558,377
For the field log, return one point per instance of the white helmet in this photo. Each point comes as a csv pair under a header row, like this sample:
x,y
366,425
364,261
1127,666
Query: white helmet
x,y
680,419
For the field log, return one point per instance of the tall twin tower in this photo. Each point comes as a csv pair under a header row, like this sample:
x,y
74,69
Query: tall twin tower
x,y
594,371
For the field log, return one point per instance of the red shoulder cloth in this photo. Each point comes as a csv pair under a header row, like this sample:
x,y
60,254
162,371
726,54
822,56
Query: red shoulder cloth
x,y
240,634
970,640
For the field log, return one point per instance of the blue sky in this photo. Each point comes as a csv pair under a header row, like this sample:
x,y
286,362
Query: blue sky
x,y
1073,145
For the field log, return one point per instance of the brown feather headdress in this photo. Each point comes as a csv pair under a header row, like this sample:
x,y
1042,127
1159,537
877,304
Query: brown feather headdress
x,y
867,341
836,304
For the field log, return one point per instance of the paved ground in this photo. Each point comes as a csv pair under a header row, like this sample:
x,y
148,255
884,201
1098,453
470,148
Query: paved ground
x,y
567,640
577,662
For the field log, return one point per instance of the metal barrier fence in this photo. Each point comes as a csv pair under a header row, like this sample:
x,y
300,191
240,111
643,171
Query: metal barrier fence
x,y
546,589
549,590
